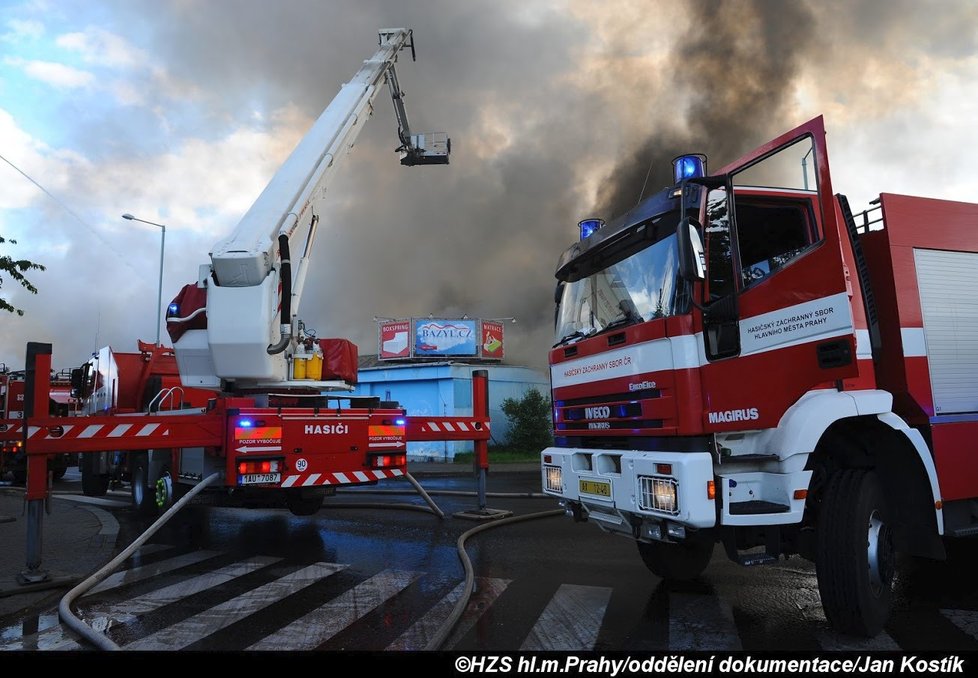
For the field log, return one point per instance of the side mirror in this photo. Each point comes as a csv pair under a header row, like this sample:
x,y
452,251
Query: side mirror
x,y
691,252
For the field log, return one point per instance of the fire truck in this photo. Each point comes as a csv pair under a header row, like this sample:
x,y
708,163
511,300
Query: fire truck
x,y
741,360
13,460
248,394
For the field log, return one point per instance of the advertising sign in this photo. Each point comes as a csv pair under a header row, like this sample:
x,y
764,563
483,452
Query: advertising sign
x,y
394,339
492,340
435,337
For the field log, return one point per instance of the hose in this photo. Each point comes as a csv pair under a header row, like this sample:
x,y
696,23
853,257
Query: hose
x,y
455,493
442,635
424,495
100,640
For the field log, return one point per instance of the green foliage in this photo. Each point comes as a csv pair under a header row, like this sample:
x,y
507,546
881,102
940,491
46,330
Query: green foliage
x,y
15,268
530,419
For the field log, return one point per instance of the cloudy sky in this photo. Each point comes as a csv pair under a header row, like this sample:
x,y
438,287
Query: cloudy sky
x,y
179,112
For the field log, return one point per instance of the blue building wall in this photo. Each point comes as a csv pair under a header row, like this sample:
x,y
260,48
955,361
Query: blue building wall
x,y
445,389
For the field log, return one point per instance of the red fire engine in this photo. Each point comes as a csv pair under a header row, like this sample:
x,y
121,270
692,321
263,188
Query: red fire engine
x,y
13,459
260,400
740,361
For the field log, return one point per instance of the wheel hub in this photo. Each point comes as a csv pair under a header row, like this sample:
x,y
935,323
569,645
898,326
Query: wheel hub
x,y
164,490
880,556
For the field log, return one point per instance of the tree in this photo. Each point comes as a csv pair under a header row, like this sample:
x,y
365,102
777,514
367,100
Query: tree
x,y
530,419
16,268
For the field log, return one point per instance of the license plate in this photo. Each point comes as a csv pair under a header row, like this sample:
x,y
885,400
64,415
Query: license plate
x,y
260,478
598,487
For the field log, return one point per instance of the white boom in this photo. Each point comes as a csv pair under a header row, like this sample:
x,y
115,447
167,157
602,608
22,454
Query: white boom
x,y
252,295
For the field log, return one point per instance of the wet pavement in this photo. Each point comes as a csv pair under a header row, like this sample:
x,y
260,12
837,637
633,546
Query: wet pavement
x,y
382,576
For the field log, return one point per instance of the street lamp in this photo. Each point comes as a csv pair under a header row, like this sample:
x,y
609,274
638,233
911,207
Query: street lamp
x,y
159,298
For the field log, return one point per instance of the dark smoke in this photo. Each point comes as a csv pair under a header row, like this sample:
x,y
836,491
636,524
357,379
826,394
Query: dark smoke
x,y
738,61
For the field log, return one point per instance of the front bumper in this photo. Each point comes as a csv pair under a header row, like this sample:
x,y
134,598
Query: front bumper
x,y
624,490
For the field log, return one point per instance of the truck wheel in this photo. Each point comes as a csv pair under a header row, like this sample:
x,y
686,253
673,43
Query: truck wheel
x,y
855,557
143,496
680,562
305,501
94,484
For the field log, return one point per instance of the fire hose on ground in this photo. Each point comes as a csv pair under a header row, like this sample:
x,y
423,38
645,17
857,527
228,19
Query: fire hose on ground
x,y
100,640
103,642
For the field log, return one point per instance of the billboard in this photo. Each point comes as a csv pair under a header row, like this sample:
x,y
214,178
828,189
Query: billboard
x,y
442,337
439,338
394,340
492,340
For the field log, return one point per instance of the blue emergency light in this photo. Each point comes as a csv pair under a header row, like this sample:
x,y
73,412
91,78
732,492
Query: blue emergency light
x,y
400,422
173,310
245,423
589,226
689,166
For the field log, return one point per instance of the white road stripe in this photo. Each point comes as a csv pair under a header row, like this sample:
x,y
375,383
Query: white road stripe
x,y
571,620
837,643
966,620
701,622
191,630
422,631
132,607
318,626
311,480
147,571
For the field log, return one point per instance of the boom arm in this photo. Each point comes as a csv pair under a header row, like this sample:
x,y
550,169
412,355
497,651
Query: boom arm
x,y
244,343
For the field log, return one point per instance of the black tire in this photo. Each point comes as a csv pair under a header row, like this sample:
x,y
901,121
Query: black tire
x,y
681,561
855,557
305,501
58,472
143,494
93,484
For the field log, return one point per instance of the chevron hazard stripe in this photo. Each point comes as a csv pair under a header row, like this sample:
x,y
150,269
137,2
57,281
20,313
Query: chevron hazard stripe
x,y
349,478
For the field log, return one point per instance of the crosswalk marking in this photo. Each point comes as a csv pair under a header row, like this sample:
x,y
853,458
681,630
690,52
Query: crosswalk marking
x,y
966,620
418,636
315,628
701,622
154,600
148,571
191,630
571,620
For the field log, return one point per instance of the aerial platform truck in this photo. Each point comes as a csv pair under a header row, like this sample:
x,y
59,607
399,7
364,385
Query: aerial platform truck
x,y
252,404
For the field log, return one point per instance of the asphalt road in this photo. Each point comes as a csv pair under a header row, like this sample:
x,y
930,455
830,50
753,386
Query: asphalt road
x,y
222,578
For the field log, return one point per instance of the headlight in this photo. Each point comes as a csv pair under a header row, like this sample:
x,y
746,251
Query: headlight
x,y
554,478
659,494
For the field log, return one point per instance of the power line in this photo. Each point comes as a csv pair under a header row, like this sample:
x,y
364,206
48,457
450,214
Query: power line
x,y
71,212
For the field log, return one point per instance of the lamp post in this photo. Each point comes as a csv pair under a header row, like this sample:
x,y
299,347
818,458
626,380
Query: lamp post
x,y
159,297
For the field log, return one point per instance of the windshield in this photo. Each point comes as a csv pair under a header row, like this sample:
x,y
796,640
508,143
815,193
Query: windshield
x,y
640,287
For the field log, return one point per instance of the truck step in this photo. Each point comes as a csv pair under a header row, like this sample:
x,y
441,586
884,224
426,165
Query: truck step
x,y
750,508
966,531
751,559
